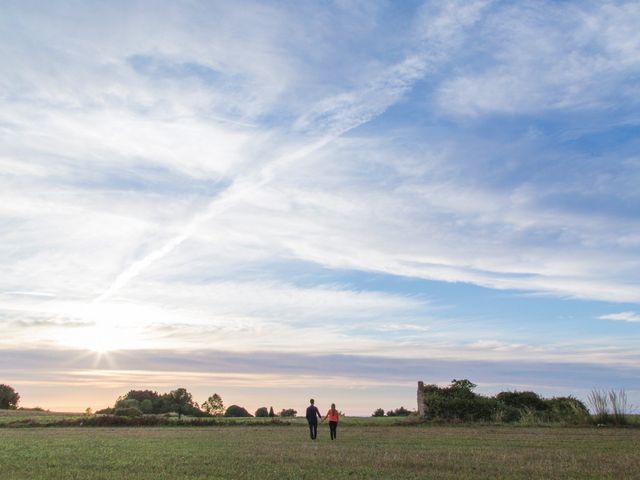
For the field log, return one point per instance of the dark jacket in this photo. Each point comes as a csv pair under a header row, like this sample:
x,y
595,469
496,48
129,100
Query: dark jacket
x,y
313,413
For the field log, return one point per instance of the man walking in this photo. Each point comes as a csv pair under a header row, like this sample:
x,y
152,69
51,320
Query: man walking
x,y
312,417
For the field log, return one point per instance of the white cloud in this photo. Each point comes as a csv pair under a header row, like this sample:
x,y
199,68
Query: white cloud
x,y
549,56
161,190
622,317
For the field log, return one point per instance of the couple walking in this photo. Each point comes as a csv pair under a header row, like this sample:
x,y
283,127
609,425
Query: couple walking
x,y
313,414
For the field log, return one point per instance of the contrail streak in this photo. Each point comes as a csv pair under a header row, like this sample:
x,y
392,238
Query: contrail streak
x,y
228,198
333,117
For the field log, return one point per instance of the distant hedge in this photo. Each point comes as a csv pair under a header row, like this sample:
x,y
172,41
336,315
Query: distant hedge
x,y
142,421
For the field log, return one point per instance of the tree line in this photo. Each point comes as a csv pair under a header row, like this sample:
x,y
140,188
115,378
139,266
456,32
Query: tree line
x,y
181,402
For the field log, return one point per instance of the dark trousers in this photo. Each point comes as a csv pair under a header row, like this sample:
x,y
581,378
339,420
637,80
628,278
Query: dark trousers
x,y
313,428
333,427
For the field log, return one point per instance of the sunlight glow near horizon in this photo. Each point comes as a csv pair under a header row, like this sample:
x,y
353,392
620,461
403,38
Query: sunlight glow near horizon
x,y
188,187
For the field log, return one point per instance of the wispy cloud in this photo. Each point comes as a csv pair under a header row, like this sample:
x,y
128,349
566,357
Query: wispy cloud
x,y
622,317
549,56
287,379
203,175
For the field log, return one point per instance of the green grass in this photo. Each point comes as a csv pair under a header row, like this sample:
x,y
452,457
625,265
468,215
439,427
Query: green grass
x,y
361,451
12,416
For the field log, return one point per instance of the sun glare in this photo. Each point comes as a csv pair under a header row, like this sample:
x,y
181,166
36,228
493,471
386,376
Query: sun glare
x,y
111,327
99,339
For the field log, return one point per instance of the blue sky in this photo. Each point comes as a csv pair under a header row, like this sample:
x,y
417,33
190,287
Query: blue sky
x,y
333,199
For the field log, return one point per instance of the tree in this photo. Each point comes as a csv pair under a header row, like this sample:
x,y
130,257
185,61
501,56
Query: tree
x,y
378,413
236,411
462,385
9,398
214,405
262,412
271,412
181,401
288,412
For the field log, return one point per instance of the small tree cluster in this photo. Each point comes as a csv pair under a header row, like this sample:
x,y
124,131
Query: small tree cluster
x,y
138,402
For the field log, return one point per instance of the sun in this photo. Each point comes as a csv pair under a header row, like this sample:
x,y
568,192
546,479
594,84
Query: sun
x,y
98,338
108,328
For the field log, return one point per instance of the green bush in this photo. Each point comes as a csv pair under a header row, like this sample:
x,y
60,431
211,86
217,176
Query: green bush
x,y
522,400
507,414
474,409
262,412
459,403
567,410
398,412
236,411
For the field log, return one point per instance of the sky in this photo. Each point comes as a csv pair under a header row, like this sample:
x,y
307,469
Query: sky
x,y
280,200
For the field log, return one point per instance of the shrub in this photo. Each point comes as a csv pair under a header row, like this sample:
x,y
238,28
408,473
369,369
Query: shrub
x,y
127,412
288,412
116,421
507,414
236,411
477,408
398,412
378,413
566,410
262,412
458,402
522,400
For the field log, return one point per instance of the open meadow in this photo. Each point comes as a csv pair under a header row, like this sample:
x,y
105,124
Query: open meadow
x,y
362,450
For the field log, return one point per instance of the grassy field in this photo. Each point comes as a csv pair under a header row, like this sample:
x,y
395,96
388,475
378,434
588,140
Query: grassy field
x,y
8,417
280,452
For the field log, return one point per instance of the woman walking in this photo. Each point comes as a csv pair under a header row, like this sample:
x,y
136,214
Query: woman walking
x,y
333,417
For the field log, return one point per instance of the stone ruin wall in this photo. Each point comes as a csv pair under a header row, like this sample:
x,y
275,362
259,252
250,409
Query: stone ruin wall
x,y
421,398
